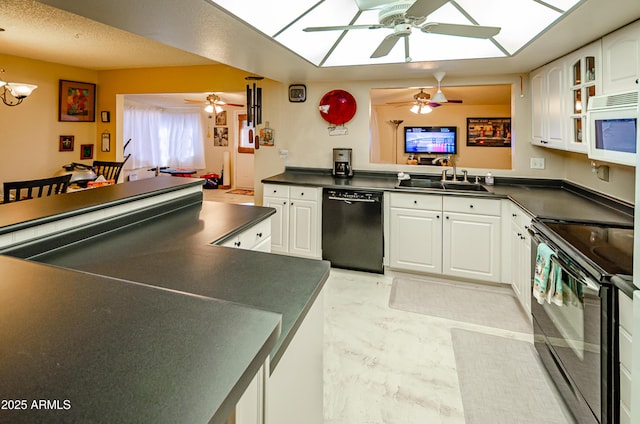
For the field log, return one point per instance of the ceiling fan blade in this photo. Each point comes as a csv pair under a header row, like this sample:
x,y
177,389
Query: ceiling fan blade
x,y
342,27
473,31
422,8
233,104
197,102
386,45
454,101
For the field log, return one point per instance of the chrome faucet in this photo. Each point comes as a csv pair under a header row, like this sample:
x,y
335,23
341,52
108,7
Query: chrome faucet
x,y
444,175
465,178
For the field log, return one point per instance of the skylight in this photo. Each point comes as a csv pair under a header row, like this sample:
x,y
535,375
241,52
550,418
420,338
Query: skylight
x,y
299,26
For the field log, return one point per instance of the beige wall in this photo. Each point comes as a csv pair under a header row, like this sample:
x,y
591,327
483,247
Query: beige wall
x,y
30,133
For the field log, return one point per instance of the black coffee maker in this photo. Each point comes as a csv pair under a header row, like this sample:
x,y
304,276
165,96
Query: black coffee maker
x,y
342,163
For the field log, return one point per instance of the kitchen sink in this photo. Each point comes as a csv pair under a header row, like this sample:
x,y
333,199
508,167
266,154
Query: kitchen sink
x,y
440,185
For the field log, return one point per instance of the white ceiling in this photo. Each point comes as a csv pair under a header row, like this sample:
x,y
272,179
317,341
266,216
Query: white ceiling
x,y
197,32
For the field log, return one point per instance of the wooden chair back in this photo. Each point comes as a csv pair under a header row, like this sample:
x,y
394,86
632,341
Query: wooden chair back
x,y
36,188
109,170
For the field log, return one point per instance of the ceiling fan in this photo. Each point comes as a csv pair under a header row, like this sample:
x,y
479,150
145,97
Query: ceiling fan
x,y
423,101
402,17
212,102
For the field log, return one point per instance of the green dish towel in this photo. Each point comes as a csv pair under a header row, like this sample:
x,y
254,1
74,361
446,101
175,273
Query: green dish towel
x,y
542,273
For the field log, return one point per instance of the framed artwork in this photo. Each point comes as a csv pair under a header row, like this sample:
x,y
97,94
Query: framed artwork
x,y
489,132
221,136
105,116
76,101
221,118
86,151
66,143
105,142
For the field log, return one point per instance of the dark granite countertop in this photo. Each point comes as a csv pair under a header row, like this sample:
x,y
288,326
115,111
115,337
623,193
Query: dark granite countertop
x,y
121,329
175,251
107,351
548,199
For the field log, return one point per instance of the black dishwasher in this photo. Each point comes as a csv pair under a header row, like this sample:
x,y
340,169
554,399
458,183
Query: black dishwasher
x,y
352,231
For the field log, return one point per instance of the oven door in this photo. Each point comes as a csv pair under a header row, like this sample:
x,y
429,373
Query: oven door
x,y
568,337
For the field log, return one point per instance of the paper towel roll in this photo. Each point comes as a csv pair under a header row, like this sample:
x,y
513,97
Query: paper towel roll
x,y
225,169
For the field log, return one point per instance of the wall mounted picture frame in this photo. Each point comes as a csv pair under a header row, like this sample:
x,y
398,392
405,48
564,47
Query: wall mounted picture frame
x,y
221,136
221,118
489,132
86,151
66,143
105,116
76,101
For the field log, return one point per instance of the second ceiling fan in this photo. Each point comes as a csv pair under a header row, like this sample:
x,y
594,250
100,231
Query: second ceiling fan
x,y
402,17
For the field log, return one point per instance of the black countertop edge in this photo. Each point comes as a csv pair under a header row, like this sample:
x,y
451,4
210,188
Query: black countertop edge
x,y
277,355
28,213
390,179
267,213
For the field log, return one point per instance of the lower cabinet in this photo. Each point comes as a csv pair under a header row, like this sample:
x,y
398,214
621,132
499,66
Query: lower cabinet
x,y
454,236
295,227
256,238
520,247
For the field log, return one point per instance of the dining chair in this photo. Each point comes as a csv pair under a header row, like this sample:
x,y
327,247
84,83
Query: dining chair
x,y
108,169
35,188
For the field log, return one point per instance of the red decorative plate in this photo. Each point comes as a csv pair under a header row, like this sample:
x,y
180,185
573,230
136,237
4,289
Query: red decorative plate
x,y
337,107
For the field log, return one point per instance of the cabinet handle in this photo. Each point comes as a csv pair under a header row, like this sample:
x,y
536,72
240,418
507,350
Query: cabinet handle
x,y
415,202
437,216
259,235
544,142
302,194
447,217
520,235
471,206
284,203
237,244
514,215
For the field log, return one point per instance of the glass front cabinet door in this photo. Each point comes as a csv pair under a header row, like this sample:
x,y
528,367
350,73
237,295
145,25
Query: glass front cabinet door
x,y
584,74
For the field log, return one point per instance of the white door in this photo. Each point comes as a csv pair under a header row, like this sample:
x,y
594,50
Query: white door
x,y
243,168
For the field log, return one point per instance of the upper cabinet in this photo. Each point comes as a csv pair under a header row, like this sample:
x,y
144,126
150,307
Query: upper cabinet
x,y
621,59
585,81
547,95
560,91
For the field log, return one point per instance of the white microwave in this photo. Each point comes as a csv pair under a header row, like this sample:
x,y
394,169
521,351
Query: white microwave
x,y
612,127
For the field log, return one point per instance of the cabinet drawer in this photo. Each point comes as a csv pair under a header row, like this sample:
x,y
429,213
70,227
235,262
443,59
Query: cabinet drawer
x,y
519,217
303,193
275,190
416,201
253,236
471,205
625,304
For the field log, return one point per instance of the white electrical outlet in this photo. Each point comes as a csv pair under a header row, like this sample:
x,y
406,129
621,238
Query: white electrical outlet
x,y
537,163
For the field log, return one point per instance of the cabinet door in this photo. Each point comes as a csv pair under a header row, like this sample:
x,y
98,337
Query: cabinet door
x,y
525,269
621,59
516,260
279,223
537,106
556,114
416,240
471,246
303,234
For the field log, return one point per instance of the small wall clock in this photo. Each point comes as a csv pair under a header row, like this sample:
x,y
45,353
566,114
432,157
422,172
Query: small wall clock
x,y
297,93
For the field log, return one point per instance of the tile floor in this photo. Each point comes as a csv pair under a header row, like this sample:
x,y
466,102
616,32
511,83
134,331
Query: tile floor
x,y
385,366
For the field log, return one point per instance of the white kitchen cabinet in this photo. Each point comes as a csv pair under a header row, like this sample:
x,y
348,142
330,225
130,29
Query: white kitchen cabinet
x,y
295,227
621,59
416,232
448,235
471,238
548,105
584,79
520,248
257,238
250,409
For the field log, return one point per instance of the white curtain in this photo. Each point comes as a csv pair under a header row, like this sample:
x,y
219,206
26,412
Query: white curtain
x,y
163,138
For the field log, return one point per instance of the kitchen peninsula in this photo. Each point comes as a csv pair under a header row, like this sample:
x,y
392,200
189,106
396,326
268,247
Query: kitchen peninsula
x,y
135,314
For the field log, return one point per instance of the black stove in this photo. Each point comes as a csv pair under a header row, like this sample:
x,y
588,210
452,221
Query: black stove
x,y
602,249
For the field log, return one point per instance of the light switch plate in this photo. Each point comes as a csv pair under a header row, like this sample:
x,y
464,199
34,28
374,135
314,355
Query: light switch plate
x,y
537,163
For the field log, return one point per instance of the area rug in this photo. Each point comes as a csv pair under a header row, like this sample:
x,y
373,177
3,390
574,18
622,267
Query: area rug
x,y
241,191
502,381
484,305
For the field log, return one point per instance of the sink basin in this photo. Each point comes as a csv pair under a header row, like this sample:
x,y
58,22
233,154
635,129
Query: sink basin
x,y
440,185
420,183
464,187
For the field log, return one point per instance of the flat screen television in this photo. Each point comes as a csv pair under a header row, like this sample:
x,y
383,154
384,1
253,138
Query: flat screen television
x,y
431,140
